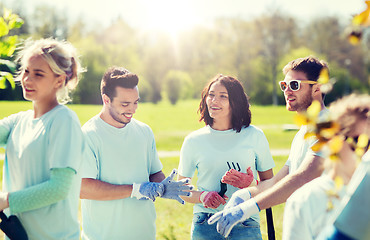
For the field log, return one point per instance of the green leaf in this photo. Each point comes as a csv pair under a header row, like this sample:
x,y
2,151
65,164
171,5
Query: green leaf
x,y
4,30
16,22
6,76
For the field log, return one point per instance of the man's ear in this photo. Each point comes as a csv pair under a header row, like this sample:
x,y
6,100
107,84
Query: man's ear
x,y
316,89
106,99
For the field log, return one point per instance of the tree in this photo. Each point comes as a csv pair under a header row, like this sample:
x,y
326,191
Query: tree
x,y
178,86
8,22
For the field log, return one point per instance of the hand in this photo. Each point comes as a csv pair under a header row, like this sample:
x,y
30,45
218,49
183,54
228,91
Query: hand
x,y
147,190
4,203
238,197
238,179
211,199
173,189
228,218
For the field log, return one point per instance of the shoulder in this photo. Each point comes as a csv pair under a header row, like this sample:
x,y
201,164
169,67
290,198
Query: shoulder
x,y
198,134
90,125
63,113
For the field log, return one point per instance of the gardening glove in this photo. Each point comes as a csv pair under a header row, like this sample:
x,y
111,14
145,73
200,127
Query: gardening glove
x,y
175,189
211,199
228,218
239,179
238,197
147,190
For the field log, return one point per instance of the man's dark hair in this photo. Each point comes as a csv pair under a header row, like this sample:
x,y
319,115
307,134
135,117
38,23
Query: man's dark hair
x,y
117,77
310,65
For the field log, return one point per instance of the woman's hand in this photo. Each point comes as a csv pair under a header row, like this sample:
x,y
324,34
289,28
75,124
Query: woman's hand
x,y
239,179
4,200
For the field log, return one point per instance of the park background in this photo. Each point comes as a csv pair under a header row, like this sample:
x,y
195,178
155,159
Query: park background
x,y
179,46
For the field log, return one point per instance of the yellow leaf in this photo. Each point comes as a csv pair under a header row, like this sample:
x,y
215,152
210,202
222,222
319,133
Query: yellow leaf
x,y
354,39
317,146
363,140
300,119
336,144
338,182
334,158
314,110
330,205
362,18
360,152
309,135
324,76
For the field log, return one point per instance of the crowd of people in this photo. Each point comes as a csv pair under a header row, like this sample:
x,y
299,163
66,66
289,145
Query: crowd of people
x,y
111,162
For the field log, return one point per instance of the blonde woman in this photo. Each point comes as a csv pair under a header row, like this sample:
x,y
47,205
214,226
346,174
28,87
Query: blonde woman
x,y
44,145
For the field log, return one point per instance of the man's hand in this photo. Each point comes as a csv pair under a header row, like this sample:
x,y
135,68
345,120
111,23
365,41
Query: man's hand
x,y
238,197
212,199
175,189
147,190
228,218
239,179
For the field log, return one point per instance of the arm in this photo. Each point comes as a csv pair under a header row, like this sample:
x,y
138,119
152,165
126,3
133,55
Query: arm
x,y
195,195
99,190
267,183
43,194
311,168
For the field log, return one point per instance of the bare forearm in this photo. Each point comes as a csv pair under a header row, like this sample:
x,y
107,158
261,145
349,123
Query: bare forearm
x,y
193,198
281,191
98,190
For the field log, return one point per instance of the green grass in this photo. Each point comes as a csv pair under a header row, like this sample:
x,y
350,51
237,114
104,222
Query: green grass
x,y
170,125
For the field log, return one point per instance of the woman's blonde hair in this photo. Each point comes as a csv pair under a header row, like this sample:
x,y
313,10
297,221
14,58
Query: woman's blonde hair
x,y
62,59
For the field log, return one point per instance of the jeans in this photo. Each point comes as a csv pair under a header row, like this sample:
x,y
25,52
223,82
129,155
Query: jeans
x,y
201,230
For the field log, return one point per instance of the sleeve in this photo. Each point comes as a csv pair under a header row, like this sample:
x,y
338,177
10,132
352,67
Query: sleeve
x,y
264,160
65,142
156,164
6,126
187,165
90,162
43,194
296,219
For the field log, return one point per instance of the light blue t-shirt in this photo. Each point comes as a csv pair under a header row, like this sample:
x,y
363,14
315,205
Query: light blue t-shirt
x,y
301,147
119,156
212,153
33,148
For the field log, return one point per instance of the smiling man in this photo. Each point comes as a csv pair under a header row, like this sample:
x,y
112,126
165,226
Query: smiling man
x,y
300,89
122,174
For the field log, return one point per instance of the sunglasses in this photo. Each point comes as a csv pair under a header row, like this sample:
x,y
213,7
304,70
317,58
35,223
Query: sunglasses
x,y
294,85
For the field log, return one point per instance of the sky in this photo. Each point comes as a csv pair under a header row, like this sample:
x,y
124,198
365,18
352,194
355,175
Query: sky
x,y
172,15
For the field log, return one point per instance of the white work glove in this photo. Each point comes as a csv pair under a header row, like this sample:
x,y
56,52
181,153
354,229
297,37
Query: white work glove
x,y
175,189
228,218
147,190
238,197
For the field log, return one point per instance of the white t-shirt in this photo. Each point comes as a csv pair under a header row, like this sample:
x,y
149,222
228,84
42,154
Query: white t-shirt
x,y
119,156
212,153
306,211
33,148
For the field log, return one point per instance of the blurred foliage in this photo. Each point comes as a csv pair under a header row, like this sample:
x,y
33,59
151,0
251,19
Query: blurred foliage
x,y
8,22
254,51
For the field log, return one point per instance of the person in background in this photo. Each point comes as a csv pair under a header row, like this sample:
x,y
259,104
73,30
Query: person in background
x,y
122,174
44,146
228,150
300,89
306,211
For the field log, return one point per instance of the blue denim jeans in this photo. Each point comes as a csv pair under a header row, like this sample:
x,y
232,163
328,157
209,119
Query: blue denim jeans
x,y
201,230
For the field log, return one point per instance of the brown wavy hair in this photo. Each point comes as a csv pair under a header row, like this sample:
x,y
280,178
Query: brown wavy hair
x,y
238,99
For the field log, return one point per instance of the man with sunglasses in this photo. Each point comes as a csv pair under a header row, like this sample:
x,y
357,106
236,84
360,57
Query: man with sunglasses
x,y
300,89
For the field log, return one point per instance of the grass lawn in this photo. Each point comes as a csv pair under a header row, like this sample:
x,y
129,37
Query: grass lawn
x,y
170,125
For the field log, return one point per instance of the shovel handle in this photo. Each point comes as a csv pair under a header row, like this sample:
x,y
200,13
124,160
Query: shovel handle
x,y
3,216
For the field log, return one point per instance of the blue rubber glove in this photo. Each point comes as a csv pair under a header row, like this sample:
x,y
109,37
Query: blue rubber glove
x,y
228,218
175,189
238,197
147,190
